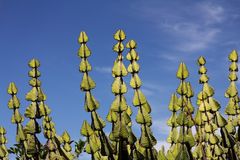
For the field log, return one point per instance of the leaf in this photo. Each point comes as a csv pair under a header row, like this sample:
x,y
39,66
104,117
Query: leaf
x,y
34,73
12,89
85,66
182,88
87,83
132,55
66,137
221,122
203,78
119,86
143,117
14,102
32,95
84,51
182,72
31,111
119,104
90,102
86,129
208,89
119,35
233,56
139,98
232,90
133,67
201,61
202,70
131,44
233,67
32,127
97,122
83,38
173,103
119,69
34,63
213,139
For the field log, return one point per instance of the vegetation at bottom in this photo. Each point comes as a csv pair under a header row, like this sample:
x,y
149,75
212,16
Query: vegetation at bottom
x,y
198,132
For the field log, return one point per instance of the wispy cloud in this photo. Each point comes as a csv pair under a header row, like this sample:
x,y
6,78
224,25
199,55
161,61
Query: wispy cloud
x,y
103,69
162,143
191,29
160,127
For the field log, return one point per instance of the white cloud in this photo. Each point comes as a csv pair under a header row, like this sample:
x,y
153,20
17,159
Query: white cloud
x,y
162,143
160,127
192,28
212,13
103,69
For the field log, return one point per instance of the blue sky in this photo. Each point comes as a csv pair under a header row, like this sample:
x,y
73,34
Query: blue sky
x,y
166,32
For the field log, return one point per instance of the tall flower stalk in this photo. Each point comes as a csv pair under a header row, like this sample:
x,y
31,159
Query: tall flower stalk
x,y
17,118
91,105
147,140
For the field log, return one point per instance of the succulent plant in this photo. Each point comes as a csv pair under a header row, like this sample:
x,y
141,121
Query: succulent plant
x,y
215,137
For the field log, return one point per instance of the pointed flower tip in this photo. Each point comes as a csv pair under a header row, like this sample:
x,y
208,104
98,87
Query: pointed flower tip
x,y
119,35
2,130
182,72
131,44
34,63
12,89
201,61
233,56
83,38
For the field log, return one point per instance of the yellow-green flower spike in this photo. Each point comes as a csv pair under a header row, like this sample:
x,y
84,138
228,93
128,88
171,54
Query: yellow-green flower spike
x,y
118,115
208,119
181,120
83,38
67,145
3,141
182,72
17,118
91,104
232,109
143,118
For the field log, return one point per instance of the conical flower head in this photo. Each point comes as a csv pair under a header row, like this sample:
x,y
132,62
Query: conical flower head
x,y
182,72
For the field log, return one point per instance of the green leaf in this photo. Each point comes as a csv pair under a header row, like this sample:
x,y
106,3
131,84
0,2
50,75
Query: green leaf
x,y
83,38
182,72
91,103
201,61
85,66
87,83
32,95
119,104
221,122
143,117
119,69
84,51
139,98
86,129
173,103
119,86
12,89
119,35
34,63
233,56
